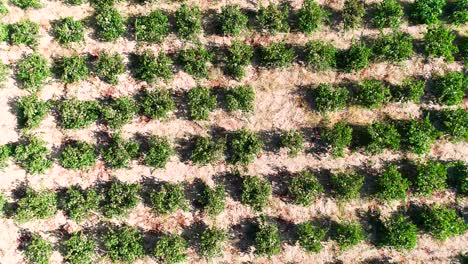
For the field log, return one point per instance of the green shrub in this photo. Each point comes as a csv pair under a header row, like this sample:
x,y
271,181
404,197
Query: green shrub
x,y
150,67
71,69
201,102
441,222
327,98
3,9
310,236
152,28
110,25
32,71
382,136
3,204
455,123
6,152
79,203
78,155
75,2
338,138
38,250
31,111
4,72
391,185
3,31
68,30
459,15
156,104
79,249
347,234
450,88
276,55
159,152
119,111
398,232
194,61
212,241
33,155
459,177
75,114
394,47
388,13
320,55
438,42
427,11
232,20
346,185
213,200
24,32
36,205
273,18
411,90
311,16
188,21
293,140
124,244
170,249
305,188
109,66
240,98
120,198
418,136
255,192
353,14
207,150
169,198
238,56
267,239
429,177
243,147
118,153
25,4
356,57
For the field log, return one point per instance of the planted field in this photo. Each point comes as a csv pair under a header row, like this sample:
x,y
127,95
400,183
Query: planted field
x,y
233,132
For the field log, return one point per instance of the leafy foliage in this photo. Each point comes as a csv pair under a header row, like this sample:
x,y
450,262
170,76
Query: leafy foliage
x,y
346,185
68,30
212,241
109,66
150,67
347,234
427,11
31,111
33,155
159,152
276,55
394,47
194,61
124,244
429,177
110,25
5,153
156,104
353,13
36,205
441,222
120,198
391,184
320,55
338,138
460,15
232,20
32,71
418,136
267,239
459,177
388,13
382,136
238,56
168,198
4,72
72,69
372,93
327,98
188,21
78,155
356,57
212,199
398,232
438,42
310,236
3,9
243,147
25,4
273,18
201,102
79,249
450,88
24,32
455,123
79,203
118,153
305,188
207,150
38,250
3,204
311,16
240,98
411,89
75,114
170,248
152,28
255,192
118,111
293,140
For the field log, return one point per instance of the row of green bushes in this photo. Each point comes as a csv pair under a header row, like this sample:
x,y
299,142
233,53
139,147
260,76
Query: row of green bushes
x,y
126,243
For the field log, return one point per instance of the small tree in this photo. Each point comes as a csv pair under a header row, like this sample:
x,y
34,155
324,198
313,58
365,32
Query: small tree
x,y
347,234
356,57
118,152
398,232
427,11
438,42
410,90
372,93
110,25
255,192
75,114
118,111
79,203
243,147
388,13
79,249
338,138
109,66
238,56
32,71
72,69
213,200
310,236
305,188
194,61
168,198
441,222
394,47
391,184
201,102
320,55
240,98
188,21
38,250
156,104
24,32
33,155
267,239
68,30
171,249
124,244
419,135
430,177
353,14
36,205
31,111
212,241
455,123
450,88
159,152
276,55
150,67
120,198
382,136
328,98
311,16
273,18
232,20
207,150
293,140
152,28
78,155
346,185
